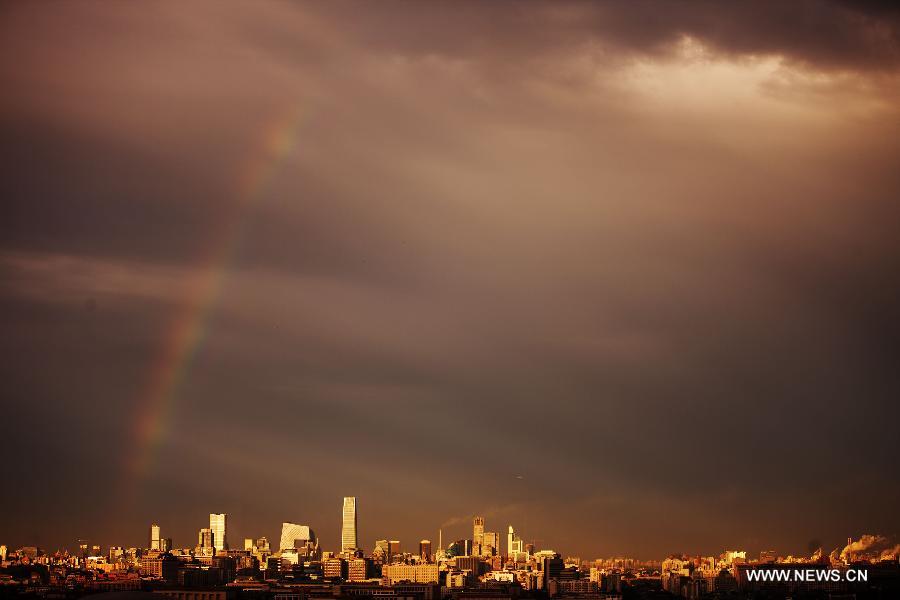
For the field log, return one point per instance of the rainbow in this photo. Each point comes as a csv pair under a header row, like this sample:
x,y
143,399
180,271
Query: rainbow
x,y
188,328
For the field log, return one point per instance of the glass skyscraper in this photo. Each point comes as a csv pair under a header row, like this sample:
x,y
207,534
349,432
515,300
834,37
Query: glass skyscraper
x,y
155,537
348,529
217,526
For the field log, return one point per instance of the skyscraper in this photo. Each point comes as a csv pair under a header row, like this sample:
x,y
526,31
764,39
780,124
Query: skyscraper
x,y
513,544
155,537
219,535
478,531
348,529
491,544
425,550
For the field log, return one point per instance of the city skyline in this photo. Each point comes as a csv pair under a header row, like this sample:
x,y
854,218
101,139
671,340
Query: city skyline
x,y
622,275
467,566
513,544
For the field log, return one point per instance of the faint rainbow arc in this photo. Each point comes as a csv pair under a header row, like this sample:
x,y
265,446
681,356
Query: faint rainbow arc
x,y
189,326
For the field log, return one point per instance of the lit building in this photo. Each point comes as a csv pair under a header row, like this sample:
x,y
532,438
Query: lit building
x,y
490,544
348,527
217,526
360,569
513,544
426,573
300,538
478,531
334,568
425,550
154,537
457,579
162,566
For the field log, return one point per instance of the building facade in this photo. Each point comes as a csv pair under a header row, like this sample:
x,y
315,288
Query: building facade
x,y
219,533
425,550
513,544
348,527
300,538
154,537
427,573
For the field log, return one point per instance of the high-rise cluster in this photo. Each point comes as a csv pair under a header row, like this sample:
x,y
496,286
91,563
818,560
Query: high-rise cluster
x,y
297,567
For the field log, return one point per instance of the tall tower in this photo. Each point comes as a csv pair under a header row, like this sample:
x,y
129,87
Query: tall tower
x,y
155,537
513,544
348,527
478,531
219,534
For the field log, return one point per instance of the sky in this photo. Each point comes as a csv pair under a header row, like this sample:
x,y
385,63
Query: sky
x,y
621,275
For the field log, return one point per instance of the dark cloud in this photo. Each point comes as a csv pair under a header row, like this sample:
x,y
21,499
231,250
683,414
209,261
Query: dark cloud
x,y
821,33
459,243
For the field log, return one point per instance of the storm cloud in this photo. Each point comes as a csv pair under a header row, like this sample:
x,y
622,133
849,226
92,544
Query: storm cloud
x,y
643,255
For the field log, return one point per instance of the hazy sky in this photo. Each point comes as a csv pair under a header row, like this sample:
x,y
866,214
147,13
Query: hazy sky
x,y
622,275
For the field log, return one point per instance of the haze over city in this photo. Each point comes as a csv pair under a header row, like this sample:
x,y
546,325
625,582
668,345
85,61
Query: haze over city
x,y
622,275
